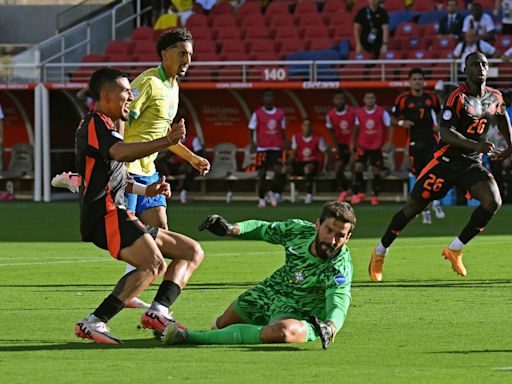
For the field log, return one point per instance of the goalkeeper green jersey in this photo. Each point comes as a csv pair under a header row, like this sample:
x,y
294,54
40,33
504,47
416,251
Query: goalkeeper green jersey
x,y
305,285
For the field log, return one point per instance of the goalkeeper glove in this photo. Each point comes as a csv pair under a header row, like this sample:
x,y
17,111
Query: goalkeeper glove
x,y
217,225
325,331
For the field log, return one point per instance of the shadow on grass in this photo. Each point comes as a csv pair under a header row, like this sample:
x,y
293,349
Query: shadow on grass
x,y
46,345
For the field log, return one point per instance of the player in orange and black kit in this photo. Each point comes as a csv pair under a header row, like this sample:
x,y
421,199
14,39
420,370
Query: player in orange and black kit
x,y
416,110
466,117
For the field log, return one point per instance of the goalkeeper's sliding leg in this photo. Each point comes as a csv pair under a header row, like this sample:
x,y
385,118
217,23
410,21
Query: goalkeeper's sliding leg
x,y
234,330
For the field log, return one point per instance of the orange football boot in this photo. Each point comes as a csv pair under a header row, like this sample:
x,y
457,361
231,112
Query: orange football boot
x,y
375,267
455,258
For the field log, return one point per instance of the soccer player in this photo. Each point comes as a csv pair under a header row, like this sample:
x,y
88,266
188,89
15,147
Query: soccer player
x,y
465,120
340,122
268,125
371,124
156,93
104,221
308,154
416,110
314,283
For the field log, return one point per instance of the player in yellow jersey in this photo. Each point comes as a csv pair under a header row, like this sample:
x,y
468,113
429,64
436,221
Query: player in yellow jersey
x,y
156,93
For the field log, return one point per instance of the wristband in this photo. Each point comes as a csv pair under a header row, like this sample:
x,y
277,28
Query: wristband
x,y
138,188
401,123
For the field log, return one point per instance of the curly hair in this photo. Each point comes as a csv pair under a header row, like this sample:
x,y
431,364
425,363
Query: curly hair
x,y
172,37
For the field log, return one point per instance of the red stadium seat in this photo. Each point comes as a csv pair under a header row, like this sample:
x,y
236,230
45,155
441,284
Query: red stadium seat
x,y
359,56
287,32
276,8
504,42
308,19
265,56
142,34
259,45
287,46
278,21
305,8
334,6
231,73
223,21
394,5
430,29
342,31
238,56
315,32
423,6
227,33
257,32
231,46
120,58
143,48
83,73
357,6
249,8
339,18
222,8
407,29
201,32
251,20
118,47
205,46
319,44
442,43
197,20
205,57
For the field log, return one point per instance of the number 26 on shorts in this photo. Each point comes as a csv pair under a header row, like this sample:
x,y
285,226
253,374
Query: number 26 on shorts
x,y
433,183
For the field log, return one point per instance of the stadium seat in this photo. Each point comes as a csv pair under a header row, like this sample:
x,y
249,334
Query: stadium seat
x,y
237,56
206,57
338,18
504,42
223,21
277,8
305,8
22,162
430,30
205,46
197,20
423,6
142,34
231,73
264,56
259,45
341,31
249,8
357,6
143,48
121,47
286,32
334,6
221,8
288,46
394,5
279,21
442,43
407,29
319,44
314,32
83,73
227,33
201,32
251,20
256,32
308,19
114,61
230,47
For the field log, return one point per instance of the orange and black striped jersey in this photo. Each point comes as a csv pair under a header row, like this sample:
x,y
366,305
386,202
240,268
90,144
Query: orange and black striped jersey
x,y
471,116
422,111
103,179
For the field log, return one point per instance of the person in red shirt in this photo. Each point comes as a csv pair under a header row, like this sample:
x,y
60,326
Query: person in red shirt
x,y
308,154
340,122
268,138
372,122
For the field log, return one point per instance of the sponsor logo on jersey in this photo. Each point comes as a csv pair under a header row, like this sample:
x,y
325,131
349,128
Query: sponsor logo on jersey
x,y
135,93
340,279
298,277
447,115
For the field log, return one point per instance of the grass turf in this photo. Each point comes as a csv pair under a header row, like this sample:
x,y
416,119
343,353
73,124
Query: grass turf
x,y
423,324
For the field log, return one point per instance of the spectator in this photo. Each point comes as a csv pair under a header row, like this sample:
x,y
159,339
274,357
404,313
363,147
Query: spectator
x,y
169,19
185,9
371,29
207,5
505,6
268,125
308,153
451,23
480,22
470,44
373,121
168,163
158,8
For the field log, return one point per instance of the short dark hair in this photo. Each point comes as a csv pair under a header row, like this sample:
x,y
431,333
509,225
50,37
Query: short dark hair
x,y
415,71
339,92
172,37
102,77
471,55
307,118
267,90
341,211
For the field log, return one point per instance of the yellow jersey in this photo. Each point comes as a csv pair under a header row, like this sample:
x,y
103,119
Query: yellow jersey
x,y
151,113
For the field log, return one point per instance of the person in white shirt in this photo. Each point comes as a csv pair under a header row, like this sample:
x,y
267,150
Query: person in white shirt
x,y
480,22
472,43
505,6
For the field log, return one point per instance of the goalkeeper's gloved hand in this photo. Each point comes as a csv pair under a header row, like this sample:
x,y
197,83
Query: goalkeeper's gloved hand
x,y
217,225
325,331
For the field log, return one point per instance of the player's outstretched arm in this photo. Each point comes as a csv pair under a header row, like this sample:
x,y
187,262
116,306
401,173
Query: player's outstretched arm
x,y
218,226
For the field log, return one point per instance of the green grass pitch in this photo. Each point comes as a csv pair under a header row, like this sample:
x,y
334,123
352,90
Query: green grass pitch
x,y
423,324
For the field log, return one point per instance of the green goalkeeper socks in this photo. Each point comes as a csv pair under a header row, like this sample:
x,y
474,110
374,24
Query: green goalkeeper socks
x,y
234,334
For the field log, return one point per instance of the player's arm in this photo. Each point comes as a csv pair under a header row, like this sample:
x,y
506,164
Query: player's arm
x,y
324,148
253,123
397,114
386,119
355,134
283,135
160,187
1,132
293,150
128,152
198,162
330,129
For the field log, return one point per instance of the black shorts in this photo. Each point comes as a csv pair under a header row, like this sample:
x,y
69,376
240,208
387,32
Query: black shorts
x,y
374,156
437,178
119,230
268,159
418,159
343,153
298,167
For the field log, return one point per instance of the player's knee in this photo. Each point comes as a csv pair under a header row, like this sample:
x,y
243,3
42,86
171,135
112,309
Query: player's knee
x,y
492,204
196,254
287,333
157,267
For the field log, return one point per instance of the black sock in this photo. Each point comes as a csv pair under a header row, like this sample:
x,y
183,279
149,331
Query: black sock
x,y
167,293
358,181
342,181
309,183
398,222
479,219
110,307
376,183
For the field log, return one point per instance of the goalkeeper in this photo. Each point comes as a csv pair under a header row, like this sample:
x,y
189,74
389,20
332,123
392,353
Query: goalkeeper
x,y
306,299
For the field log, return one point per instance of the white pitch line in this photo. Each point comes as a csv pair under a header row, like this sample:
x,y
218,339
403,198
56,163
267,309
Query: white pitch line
x,y
502,369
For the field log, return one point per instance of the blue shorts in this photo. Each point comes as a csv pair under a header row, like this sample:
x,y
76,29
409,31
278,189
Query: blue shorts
x,y
139,203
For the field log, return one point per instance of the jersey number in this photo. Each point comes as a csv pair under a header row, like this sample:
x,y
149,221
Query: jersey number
x,y
422,112
433,183
477,126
